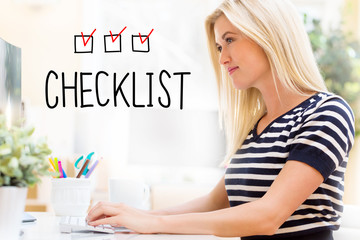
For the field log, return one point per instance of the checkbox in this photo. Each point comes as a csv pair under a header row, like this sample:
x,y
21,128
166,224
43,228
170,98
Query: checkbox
x,y
81,46
110,45
138,46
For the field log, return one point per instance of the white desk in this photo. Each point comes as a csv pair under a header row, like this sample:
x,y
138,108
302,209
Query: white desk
x,y
47,227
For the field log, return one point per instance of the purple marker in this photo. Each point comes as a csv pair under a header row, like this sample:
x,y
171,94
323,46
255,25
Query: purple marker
x,y
91,169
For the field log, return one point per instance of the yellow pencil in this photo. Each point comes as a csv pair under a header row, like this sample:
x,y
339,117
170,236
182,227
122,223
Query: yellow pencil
x,y
52,163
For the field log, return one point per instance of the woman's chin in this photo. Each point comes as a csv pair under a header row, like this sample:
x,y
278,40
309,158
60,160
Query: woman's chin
x,y
239,86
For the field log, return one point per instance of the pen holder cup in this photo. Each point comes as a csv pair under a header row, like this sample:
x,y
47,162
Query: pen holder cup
x,y
70,196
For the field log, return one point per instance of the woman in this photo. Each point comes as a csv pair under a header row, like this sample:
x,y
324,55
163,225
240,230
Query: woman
x,y
288,139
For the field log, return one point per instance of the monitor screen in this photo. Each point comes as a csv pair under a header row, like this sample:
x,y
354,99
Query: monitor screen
x,y
10,82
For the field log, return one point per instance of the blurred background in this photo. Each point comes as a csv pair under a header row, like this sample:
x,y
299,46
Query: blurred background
x,y
177,152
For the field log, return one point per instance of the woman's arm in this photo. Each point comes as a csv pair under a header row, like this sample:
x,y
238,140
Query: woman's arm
x,y
216,199
295,183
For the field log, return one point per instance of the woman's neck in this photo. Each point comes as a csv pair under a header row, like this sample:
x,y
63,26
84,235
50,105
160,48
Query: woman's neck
x,y
281,101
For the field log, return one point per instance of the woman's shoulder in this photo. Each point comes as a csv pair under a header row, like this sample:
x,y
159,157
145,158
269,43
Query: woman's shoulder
x,y
330,111
328,103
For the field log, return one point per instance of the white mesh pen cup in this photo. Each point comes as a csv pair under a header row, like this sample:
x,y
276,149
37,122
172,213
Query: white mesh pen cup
x,y
70,196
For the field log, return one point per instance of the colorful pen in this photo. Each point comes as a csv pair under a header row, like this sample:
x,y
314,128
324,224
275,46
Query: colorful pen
x,y
77,162
88,157
60,169
51,163
64,174
83,168
92,169
56,165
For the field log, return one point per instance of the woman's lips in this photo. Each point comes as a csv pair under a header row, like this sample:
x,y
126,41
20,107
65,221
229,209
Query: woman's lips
x,y
232,69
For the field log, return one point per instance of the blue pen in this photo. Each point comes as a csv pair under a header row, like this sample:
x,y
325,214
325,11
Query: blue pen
x,y
77,162
64,174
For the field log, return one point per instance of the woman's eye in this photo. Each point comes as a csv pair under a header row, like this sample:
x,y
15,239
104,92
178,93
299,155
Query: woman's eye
x,y
228,40
219,48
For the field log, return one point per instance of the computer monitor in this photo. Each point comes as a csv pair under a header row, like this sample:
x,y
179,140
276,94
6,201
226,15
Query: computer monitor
x,y
10,82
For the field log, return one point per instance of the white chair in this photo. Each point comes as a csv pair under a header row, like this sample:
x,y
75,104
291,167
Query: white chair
x,y
350,224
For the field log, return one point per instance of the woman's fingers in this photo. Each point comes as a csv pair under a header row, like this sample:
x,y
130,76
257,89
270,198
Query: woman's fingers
x,y
100,211
101,204
108,220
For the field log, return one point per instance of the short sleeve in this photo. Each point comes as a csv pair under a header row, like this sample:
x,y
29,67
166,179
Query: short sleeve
x,y
325,137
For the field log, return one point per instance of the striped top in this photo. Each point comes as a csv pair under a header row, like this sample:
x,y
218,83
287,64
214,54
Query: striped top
x,y
318,132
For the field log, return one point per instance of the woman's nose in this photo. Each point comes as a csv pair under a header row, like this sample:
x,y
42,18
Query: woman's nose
x,y
224,57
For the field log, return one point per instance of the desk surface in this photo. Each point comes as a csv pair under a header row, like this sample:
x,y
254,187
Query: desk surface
x,y
47,227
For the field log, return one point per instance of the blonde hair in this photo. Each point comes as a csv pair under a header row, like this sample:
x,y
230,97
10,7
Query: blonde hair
x,y
278,29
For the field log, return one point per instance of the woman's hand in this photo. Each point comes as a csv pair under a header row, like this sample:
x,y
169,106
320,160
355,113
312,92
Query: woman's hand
x,y
121,215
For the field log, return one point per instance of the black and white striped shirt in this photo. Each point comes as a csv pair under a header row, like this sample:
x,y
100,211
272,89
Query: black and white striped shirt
x,y
318,132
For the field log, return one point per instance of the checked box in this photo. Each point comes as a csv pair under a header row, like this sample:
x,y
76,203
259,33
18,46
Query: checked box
x,y
140,45
80,47
84,43
112,45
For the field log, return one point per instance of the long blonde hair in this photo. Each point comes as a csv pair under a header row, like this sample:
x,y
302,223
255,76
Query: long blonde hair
x,y
278,29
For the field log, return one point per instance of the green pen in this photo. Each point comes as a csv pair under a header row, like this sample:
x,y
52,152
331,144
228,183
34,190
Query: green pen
x,y
56,165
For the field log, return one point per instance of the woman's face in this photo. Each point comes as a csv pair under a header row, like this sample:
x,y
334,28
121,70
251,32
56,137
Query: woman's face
x,y
245,61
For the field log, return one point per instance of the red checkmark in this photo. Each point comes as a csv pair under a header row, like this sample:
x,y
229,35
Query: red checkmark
x,y
88,37
113,40
146,37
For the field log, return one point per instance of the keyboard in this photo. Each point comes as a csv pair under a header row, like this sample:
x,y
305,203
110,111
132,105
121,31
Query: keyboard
x,y
70,224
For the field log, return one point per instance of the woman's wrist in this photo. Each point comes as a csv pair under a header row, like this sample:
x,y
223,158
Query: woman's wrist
x,y
156,212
